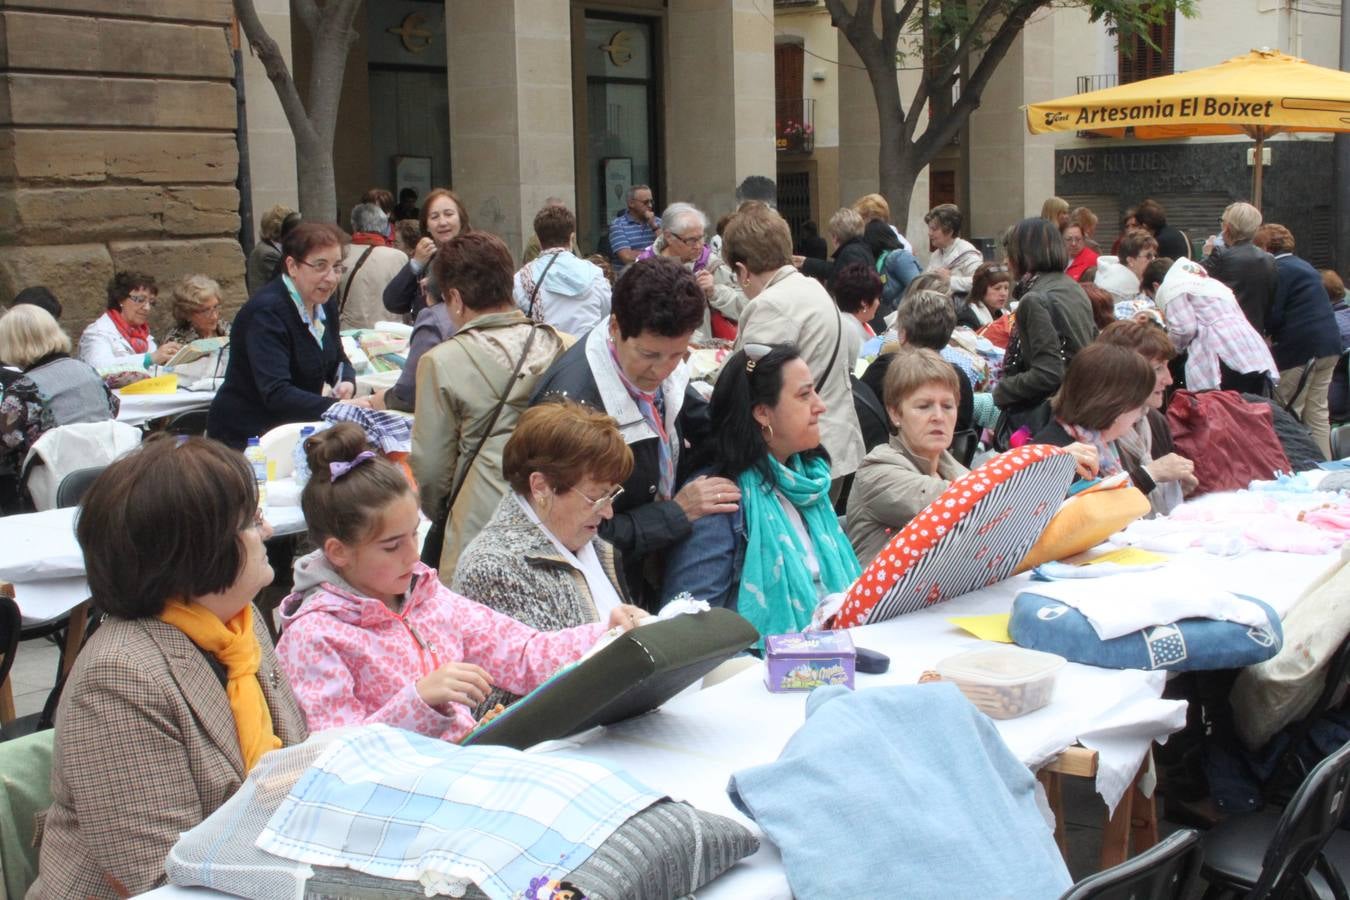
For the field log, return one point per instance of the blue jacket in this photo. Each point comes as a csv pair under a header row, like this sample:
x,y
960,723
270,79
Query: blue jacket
x,y
1301,322
277,370
708,563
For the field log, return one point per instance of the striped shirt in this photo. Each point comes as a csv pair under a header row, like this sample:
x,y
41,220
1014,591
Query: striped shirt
x,y
627,233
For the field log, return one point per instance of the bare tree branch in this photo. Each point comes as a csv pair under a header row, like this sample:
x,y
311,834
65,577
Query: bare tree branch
x,y
274,64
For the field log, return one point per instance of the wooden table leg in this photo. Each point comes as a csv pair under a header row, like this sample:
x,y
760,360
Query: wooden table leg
x,y
79,619
1054,795
1135,816
6,702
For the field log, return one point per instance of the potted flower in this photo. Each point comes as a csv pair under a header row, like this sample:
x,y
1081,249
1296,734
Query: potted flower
x,y
797,135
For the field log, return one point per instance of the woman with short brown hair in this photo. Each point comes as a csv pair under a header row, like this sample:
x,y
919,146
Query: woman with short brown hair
x,y
1147,450
540,559
176,697
1102,396
471,386
898,479
286,358
443,218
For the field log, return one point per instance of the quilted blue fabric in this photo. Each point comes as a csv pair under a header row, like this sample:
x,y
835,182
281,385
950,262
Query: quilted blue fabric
x,y
1041,623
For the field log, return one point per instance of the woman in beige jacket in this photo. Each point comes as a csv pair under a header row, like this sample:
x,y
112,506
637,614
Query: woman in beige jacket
x,y
898,479
460,383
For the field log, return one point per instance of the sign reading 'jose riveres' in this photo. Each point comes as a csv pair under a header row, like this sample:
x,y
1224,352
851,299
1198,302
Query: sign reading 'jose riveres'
x,y
1182,108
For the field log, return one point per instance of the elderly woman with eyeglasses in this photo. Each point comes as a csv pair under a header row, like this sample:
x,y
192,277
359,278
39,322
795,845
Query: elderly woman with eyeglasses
x,y
540,558
682,238
120,339
286,361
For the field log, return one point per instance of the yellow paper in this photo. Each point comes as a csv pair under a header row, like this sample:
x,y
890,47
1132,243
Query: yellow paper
x,y
986,628
1128,556
160,384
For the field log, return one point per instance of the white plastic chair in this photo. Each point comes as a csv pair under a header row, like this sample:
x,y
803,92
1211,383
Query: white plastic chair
x,y
67,448
279,445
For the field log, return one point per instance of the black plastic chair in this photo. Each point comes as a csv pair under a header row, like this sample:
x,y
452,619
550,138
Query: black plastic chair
x,y
1168,871
1279,855
1340,442
192,422
72,488
11,626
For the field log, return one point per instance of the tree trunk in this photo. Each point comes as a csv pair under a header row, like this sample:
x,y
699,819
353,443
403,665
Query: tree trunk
x,y
316,180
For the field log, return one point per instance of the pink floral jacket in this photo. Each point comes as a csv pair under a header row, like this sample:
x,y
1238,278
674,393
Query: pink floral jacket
x,y
351,660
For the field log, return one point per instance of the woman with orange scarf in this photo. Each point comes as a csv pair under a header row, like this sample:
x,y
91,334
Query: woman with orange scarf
x,y
178,695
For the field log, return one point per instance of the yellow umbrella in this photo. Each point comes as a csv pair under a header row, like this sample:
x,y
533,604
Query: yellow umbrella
x,y
1260,94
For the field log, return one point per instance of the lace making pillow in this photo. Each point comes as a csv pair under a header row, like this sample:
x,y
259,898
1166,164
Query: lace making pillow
x,y
1042,623
971,536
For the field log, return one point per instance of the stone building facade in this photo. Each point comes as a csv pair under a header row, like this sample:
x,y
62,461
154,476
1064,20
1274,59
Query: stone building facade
x,y
118,148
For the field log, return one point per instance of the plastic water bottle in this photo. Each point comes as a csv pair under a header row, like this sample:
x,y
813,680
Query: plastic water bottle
x,y
300,462
257,460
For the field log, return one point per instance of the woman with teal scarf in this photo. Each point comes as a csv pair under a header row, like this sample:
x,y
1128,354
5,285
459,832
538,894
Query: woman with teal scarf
x,y
774,558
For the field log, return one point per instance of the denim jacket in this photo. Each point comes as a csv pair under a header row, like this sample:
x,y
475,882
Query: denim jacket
x,y
708,563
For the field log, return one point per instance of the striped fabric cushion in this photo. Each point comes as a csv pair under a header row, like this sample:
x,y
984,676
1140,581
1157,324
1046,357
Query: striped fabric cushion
x,y
971,536
668,850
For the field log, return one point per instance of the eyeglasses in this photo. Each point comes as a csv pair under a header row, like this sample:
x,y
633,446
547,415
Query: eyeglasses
x,y
142,299
323,267
694,241
607,500
647,202
213,312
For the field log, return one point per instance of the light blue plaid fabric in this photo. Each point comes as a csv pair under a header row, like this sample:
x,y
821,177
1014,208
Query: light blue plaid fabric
x,y
390,432
395,804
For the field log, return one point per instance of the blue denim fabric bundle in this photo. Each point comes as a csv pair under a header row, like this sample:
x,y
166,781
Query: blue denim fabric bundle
x,y
863,802
1042,623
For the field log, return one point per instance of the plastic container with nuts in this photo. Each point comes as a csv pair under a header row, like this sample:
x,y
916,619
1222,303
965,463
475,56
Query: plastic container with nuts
x,y
1003,682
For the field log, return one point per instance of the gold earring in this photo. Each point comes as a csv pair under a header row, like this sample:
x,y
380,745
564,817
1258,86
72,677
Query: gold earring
x,y
769,429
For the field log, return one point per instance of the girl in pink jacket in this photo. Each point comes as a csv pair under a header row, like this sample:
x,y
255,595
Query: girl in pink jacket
x,y
371,635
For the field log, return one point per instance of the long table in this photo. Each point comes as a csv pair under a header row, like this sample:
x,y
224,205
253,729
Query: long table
x,y
691,746
137,409
40,557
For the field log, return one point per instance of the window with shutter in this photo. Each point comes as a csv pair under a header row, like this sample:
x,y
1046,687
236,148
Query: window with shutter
x,y
1140,59
789,66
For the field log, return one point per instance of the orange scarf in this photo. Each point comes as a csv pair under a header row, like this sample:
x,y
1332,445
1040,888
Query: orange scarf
x,y
235,646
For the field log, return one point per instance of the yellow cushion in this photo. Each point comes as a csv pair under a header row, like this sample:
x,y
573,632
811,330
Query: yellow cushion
x,y
1084,521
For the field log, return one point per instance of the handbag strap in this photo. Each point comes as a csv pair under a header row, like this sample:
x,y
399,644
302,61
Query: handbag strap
x,y
838,339
351,279
534,291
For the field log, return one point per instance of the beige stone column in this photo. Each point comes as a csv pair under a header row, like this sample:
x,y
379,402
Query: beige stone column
x,y
511,143
1011,170
117,148
720,99
271,145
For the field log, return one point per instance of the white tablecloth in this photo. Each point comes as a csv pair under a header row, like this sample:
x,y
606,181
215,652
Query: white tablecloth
x,y
41,558
137,409
370,382
691,746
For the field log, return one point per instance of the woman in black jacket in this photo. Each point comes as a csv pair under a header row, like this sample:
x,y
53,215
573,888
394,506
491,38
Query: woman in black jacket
x,y
285,345
631,366
846,230
1053,322
443,217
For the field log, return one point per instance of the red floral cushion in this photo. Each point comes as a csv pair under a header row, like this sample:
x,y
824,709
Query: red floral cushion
x,y
971,536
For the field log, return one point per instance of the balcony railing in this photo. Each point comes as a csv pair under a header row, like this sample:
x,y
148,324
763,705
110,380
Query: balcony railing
x,y
795,125
1088,83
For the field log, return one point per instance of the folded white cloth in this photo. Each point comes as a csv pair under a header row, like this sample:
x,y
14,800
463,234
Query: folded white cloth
x,y
1123,604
